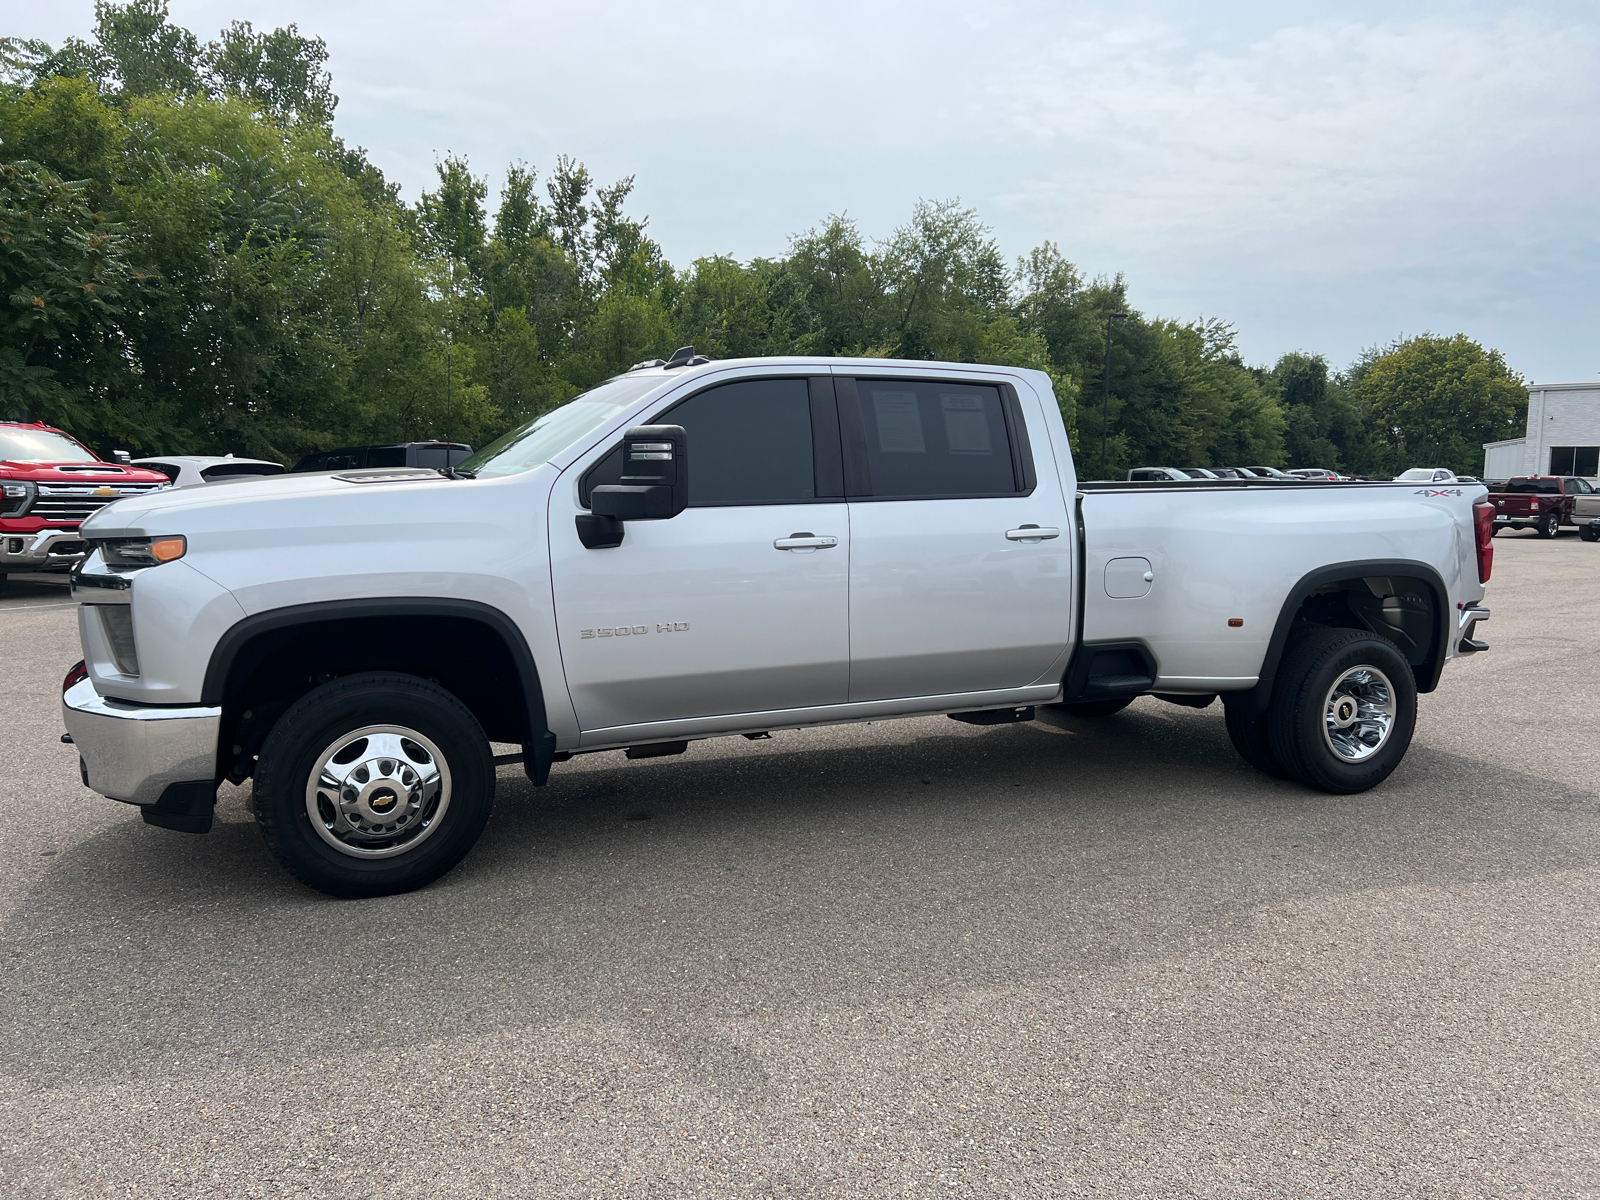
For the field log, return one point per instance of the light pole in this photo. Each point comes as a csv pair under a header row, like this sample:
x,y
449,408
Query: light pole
x,y
1105,402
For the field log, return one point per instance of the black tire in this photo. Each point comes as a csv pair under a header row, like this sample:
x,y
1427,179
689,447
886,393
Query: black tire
x,y
1248,733
314,725
1494,530
1094,708
1589,533
1550,524
1303,699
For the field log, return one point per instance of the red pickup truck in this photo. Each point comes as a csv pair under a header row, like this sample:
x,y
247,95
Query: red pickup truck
x,y
1546,503
49,482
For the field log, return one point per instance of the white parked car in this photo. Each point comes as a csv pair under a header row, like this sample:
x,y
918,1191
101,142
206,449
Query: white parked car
x,y
695,550
188,470
1426,475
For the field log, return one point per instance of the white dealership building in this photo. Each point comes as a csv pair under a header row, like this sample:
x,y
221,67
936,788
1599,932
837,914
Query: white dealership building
x,y
1563,435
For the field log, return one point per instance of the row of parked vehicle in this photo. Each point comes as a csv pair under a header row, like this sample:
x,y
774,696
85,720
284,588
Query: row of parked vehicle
x,y
1299,474
1546,503
50,483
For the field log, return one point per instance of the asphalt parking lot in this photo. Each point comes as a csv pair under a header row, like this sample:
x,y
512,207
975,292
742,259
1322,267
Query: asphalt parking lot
x,y
912,958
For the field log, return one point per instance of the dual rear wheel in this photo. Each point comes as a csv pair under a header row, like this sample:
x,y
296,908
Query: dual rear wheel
x,y
1343,709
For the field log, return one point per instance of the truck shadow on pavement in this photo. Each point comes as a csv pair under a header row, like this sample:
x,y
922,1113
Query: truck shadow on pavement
x,y
819,870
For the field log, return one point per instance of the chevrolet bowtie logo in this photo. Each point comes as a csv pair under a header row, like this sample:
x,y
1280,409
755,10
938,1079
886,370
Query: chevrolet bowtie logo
x,y
105,491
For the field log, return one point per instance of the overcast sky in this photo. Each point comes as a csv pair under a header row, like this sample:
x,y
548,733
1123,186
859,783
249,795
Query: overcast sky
x,y
1325,182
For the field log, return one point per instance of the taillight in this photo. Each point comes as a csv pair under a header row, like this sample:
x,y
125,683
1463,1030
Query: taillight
x,y
1483,517
78,674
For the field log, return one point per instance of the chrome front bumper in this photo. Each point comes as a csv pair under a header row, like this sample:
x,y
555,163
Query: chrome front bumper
x,y
42,548
134,752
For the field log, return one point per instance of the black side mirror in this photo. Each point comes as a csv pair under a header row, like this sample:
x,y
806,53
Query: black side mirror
x,y
654,487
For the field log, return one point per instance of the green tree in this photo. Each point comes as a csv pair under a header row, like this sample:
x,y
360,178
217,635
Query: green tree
x,y
279,71
1434,401
66,275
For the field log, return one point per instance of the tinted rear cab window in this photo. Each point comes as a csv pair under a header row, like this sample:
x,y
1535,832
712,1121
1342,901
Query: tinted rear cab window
x,y
931,439
1538,487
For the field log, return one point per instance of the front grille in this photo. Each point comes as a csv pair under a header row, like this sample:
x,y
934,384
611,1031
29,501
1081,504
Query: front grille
x,y
76,502
65,510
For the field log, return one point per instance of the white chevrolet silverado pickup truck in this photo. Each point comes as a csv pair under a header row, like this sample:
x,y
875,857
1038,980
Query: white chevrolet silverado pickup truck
x,y
696,549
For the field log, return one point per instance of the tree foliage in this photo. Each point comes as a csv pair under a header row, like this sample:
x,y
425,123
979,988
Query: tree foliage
x,y
194,261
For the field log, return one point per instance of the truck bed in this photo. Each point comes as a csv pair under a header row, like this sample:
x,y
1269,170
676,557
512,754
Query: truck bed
x,y
1223,555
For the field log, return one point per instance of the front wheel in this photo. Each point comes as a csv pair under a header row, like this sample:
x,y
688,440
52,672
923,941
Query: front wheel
x,y
373,784
1550,524
1589,533
1343,710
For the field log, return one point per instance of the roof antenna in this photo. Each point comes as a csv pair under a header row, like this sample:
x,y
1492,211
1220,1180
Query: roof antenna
x,y
684,356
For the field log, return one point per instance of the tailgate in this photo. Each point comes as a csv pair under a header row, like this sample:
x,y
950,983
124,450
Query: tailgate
x,y
1515,504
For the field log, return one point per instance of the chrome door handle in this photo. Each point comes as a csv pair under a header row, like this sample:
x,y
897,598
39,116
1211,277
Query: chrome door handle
x,y
1033,533
805,541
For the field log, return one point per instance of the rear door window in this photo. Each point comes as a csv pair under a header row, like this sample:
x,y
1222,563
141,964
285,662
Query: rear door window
x,y
929,439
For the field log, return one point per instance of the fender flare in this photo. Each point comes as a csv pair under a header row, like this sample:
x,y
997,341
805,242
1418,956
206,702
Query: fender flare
x,y
539,744
1256,699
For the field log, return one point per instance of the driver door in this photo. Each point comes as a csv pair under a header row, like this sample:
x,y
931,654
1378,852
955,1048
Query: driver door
x,y
739,604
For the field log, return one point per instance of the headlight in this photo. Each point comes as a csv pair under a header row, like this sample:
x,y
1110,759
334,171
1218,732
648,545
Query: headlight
x,y
143,552
16,497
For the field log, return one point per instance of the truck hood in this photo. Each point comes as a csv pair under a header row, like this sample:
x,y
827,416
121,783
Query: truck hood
x,y
78,472
285,510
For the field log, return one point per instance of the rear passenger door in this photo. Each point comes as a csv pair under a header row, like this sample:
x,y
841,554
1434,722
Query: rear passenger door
x,y
961,555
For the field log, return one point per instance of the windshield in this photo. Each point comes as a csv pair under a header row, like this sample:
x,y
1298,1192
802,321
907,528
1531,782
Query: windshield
x,y
1425,474
40,445
1537,487
542,438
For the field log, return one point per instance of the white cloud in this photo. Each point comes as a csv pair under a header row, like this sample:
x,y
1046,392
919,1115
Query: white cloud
x,y
1325,182
1310,130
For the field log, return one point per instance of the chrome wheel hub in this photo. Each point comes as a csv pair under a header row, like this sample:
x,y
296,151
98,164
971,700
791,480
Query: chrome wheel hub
x,y
377,792
1359,713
